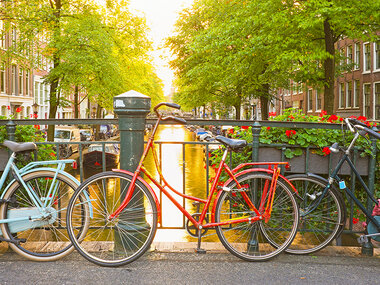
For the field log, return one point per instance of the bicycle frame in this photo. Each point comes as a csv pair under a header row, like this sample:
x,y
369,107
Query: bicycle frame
x,y
262,213
29,168
342,185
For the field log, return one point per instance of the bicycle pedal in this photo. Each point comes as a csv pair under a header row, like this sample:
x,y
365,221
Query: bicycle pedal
x,y
200,251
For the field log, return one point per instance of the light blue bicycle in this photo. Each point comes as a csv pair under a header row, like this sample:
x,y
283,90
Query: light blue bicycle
x,y
33,206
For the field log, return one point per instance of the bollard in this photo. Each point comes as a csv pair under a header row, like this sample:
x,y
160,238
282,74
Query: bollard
x,y
131,109
11,130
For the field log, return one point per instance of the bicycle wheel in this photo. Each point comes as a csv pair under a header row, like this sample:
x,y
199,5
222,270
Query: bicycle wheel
x,y
319,227
261,240
46,237
126,237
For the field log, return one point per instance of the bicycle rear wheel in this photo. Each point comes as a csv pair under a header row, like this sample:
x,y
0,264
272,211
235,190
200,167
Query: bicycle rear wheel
x,y
126,237
257,241
46,238
319,227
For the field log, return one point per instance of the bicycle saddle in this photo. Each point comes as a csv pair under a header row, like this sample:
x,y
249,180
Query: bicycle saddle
x,y
18,147
233,144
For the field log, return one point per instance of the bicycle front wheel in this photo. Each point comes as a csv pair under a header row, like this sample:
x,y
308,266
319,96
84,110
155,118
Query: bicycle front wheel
x,y
320,226
123,239
46,237
261,240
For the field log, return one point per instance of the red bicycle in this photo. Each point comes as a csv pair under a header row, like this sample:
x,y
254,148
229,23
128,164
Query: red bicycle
x,y
254,212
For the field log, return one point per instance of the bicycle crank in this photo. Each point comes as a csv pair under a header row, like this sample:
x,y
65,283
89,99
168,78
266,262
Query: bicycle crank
x,y
192,229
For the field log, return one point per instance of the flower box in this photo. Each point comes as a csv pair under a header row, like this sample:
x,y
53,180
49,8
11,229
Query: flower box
x,y
317,164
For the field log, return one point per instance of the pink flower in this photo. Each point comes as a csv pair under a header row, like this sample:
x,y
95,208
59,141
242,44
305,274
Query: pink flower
x,y
326,151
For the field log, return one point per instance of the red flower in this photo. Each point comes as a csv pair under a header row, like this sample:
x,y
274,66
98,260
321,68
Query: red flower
x,y
231,131
235,205
268,128
291,117
35,116
332,118
326,151
36,127
245,127
323,112
272,114
341,119
355,220
362,118
8,107
290,133
18,110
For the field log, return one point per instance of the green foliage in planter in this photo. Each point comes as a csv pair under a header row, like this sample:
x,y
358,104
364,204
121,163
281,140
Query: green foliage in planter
x,y
28,133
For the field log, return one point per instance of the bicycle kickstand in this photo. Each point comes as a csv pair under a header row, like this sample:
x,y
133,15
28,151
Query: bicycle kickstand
x,y
199,249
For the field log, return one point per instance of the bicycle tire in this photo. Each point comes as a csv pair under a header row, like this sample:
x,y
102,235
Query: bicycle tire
x,y
46,239
318,228
255,241
122,240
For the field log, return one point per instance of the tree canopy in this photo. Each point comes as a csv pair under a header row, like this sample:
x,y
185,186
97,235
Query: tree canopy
x,y
231,50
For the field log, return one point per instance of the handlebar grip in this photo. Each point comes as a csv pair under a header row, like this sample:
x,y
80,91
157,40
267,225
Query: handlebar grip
x,y
179,120
171,105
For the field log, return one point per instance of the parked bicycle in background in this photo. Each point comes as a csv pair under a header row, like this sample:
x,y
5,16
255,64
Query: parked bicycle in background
x,y
33,206
322,209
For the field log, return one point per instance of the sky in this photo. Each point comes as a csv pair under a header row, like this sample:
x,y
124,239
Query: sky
x,y
161,16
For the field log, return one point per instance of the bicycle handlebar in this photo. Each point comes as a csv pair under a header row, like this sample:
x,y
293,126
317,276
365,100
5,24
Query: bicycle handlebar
x,y
361,126
171,105
179,120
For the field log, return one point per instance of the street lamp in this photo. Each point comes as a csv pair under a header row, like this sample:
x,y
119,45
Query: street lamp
x,y
35,110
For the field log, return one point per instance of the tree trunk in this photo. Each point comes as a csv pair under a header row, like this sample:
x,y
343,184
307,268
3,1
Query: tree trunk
x,y
76,102
264,102
329,69
54,91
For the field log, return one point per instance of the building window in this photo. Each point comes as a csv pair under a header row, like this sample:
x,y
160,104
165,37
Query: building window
x,y
367,99
310,100
356,93
341,95
36,88
342,57
349,55
27,78
349,94
41,94
318,101
2,77
357,56
377,55
2,34
377,101
367,57
20,81
13,79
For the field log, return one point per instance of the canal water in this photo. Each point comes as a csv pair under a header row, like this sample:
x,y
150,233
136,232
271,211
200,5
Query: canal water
x,y
193,181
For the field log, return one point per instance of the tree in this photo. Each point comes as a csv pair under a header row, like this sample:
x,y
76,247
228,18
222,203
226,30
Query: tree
x,y
94,50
